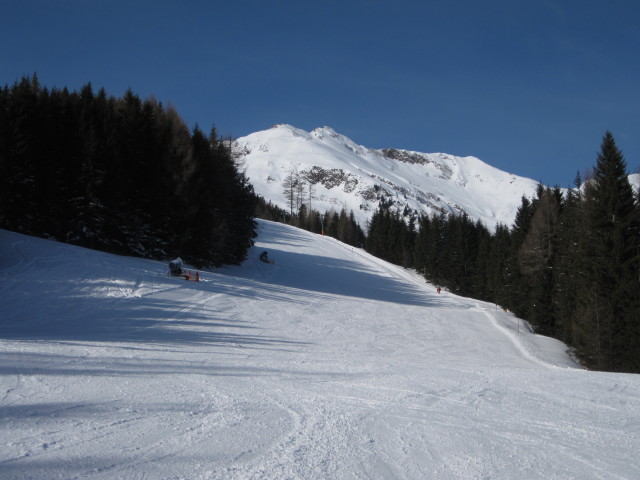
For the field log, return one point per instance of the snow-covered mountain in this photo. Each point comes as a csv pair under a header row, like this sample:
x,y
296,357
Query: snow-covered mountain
x,y
329,364
345,174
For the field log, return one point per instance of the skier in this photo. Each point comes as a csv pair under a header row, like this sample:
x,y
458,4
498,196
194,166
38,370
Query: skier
x,y
438,290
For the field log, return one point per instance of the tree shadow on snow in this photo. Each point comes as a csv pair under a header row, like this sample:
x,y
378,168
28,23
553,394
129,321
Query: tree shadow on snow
x,y
330,276
39,364
135,320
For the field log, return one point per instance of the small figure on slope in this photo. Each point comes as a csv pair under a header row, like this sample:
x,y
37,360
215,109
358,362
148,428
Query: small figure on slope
x,y
264,257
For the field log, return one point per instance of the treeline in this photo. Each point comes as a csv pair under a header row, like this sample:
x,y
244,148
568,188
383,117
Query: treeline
x,y
120,175
339,225
570,264
299,191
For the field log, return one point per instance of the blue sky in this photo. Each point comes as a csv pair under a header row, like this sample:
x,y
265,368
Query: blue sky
x,y
529,87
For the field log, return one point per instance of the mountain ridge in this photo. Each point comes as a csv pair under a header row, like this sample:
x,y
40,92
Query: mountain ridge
x,y
351,176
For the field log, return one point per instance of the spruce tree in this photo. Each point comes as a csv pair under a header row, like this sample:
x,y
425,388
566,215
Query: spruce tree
x,y
568,262
479,280
610,287
499,279
422,244
518,291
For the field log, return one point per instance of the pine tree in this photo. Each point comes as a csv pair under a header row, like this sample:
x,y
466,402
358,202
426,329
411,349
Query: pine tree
x,y
422,244
375,237
610,288
436,251
479,279
518,301
499,270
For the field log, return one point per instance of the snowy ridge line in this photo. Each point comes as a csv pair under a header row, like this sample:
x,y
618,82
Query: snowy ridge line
x,y
399,272
409,179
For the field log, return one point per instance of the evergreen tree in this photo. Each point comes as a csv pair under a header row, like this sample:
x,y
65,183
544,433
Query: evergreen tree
x,y
314,221
267,211
422,246
434,266
479,279
568,262
375,237
610,288
120,175
517,294
536,258
499,267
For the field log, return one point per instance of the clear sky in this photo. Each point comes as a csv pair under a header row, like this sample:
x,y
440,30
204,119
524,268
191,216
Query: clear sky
x,y
528,86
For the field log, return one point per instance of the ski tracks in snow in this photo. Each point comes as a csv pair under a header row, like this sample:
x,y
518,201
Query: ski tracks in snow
x,y
275,372
317,443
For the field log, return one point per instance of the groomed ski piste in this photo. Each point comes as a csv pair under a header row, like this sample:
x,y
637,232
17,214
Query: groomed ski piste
x,y
330,364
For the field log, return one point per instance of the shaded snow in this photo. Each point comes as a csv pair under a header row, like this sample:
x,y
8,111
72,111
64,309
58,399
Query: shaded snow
x,y
328,364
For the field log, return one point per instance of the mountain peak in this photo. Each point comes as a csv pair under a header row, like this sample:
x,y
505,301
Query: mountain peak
x,y
351,176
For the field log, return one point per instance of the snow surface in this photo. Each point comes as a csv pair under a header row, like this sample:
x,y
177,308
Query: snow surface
x,y
330,364
426,182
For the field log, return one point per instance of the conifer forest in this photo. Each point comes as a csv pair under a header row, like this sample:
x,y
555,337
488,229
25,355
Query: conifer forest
x,y
120,175
570,263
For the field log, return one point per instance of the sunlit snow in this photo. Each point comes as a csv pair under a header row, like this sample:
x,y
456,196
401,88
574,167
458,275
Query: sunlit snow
x,y
330,364
425,183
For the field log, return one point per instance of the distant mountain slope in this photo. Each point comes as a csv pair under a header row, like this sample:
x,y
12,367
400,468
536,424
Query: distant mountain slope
x,y
345,174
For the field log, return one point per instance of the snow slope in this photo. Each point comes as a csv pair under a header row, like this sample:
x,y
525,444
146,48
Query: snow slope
x,y
330,364
352,176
